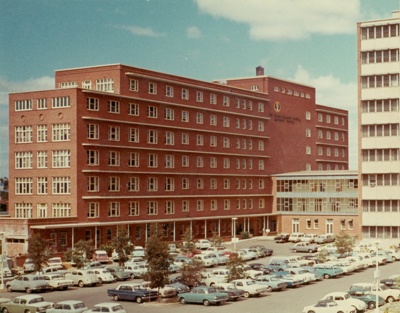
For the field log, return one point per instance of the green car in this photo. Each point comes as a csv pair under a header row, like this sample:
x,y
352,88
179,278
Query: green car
x,y
203,294
26,303
368,298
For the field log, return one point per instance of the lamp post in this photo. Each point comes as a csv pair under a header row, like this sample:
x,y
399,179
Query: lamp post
x,y
2,260
234,219
376,276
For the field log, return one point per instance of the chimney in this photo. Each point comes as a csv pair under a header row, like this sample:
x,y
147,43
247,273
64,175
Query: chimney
x,y
259,71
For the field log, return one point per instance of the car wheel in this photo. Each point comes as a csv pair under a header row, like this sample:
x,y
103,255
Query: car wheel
x,y
310,251
389,299
132,276
5,310
28,290
100,281
27,311
116,298
139,299
371,305
182,300
246,294
9,289
310,312
294,250
327,276
65,288
206,302
80,284
269,289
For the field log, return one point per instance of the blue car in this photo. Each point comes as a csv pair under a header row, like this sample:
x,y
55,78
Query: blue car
x,y
203,294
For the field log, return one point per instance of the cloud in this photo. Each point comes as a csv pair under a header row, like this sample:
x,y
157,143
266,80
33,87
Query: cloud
x,y
6,87
193,32
332,92
287,19
142,31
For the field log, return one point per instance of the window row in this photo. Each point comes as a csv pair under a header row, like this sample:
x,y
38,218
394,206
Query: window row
x,y
116,184
331,185
328,119
170,207
25,210
380,31
381,205
292,92
379,56
380,232
152,160
329,167
373,180
328,135
59,132
56,103
199,96
59,185
376,155
386,105
328,152
381,130
317,205
379,81
59,159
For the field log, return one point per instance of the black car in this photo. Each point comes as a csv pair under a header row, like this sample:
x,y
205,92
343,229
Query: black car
x,y
261,267
282,238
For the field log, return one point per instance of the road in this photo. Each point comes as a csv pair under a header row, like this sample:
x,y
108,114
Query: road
x,y
290,300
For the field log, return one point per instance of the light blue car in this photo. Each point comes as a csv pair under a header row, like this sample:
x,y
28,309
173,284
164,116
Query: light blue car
x,y
203,294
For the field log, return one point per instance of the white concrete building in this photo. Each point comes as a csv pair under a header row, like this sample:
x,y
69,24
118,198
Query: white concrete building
x,y
379,133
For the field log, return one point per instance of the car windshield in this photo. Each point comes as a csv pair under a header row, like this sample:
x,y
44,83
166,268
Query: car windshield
x,y
250,282
117,308
36,300
79,305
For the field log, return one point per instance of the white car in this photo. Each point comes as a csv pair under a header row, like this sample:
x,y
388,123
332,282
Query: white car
x,y
165,292
107,307
296,237
219,257
205,259
329,306
250,287
82,277
211,279
104,275
56,262
203,244
309,238
58,281
386,293
135,271
344,297
246,254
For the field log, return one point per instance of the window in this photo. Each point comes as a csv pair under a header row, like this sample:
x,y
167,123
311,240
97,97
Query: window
x,y
113,158
152,136
260,107
225,102
61,132
93,183
93,131
169,138
23,186
199,140
41,104
133,159
134,209
23,210
113,209
227,183
227,163
213,162
42,185
200,183
227,204
152,208
152,160
213,120
92,104
87,84
328,119
169,161
113,107
113,133
260,126
60,102
320,117
133,85
23,105
185,94
308,132
214,205
42,159
213,99
93,157
213,141
23,134
133,109
199,118
200,161
152,111
185,183
185,161
152,88
169,114
23,160
226,121
113,183
260,145
261,165
226,142
169,184
61,209
93,210
106,84
308,115
213,183
308,150
169,91
185,139
185,116
185,205
133,184
199,96
42,133
61,185
41,209
61,158
200,205
133,135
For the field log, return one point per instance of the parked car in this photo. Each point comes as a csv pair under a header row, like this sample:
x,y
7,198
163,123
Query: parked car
x,y
203,244
132,292
104,275
232,292
344,297
101,256
68,306
220,257
282,238
28,283
250,287
138,251
28,266
180,288
302,273
272,282
383,291
205,259
324,238
309,238
203,294
292,281
107,307
328,271
329,306
118,272
303,247
247,254
82,278
135,271
165,292
56,262
26,303
181,260
58,281
296,237
261,267
267,251
210,279
368,298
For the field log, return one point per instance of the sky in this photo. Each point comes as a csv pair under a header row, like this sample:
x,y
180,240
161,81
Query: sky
x,y
311,42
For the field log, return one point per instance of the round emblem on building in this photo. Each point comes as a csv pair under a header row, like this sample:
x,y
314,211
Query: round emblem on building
x,y
277,106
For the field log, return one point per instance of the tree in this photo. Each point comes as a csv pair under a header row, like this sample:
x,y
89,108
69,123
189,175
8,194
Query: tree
x,y
216,240
191,273
188,245
4,191
344,243
158,259
82,251
39,251
235,267
122,245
